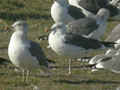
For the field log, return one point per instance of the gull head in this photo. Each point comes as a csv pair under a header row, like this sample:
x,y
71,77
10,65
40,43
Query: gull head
x,y
103,13
74,2
20,25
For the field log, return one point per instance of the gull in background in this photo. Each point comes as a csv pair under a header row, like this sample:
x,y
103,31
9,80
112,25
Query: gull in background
x,y
108,62
73,45
93,6
92,27
26,54
114,36
61,11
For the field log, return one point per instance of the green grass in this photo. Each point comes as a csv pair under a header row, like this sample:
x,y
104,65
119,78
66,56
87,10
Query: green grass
x,y
37,14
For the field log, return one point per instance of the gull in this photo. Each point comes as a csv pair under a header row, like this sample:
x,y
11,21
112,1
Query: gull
x,y
108,62
72,45
114,36
61,11
93,6
93,27
114,2
25,54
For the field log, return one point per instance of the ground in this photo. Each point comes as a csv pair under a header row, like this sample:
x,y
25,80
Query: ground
x,y
37,14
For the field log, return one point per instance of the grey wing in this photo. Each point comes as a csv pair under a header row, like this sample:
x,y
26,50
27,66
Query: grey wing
x,y
75,12
37,52
83,26
81,41
115,34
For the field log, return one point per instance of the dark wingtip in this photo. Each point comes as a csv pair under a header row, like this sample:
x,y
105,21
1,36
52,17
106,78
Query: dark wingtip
x,y
106,59
109,44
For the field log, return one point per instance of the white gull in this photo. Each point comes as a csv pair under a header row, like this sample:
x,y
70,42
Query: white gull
x,y
114,36
24,53
61,11
72,45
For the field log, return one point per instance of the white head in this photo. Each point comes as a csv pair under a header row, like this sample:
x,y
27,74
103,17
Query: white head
x,y
103,14
20,26
62,2
74,2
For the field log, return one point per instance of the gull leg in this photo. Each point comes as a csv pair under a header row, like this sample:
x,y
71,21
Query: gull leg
x,y
27,75
70,61
23,75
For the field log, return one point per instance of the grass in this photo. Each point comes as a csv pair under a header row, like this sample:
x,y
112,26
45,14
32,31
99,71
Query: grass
x,y
37,14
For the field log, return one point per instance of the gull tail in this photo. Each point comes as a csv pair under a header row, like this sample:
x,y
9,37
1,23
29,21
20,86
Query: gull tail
x,y
109,44
95,67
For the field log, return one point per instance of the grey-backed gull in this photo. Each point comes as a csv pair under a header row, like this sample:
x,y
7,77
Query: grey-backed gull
x,y
24,53
93,27
61,11
93,6
73,45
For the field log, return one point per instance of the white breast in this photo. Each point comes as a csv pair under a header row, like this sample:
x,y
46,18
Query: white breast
x,y
56,42
19,54
60,14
